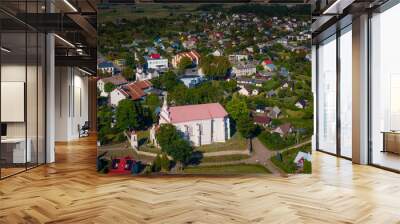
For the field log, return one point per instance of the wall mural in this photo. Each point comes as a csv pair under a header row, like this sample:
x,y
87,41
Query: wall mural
x,y
204,89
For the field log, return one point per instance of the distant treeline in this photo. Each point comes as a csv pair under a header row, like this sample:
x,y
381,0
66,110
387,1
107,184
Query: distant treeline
x,y
272,10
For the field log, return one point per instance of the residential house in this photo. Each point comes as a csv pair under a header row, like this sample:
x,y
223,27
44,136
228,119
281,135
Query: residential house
x,y
116,80
262,119
217,53
301,104
301,157
275,112
246,90
244,69
283,129
243,80
134,91
235,58
120,62
284,85
106,67
268,65
146,75
271,93
191,81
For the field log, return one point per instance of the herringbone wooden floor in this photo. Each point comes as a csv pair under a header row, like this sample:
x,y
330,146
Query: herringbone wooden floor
x,y
71,191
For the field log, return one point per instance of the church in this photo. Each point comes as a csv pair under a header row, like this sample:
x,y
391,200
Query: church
x,y
201,124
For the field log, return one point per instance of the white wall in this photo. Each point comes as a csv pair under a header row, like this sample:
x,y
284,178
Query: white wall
x,y
71,103
212,130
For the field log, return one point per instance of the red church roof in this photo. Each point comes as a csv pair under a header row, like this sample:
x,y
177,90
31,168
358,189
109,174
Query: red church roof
x,y
196,112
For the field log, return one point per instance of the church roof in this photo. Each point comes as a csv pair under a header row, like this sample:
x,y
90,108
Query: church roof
x,y
187,113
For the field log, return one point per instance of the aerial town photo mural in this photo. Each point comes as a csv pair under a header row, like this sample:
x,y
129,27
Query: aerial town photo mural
x,y
198,88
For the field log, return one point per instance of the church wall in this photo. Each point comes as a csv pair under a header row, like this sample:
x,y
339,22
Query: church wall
x,y
208,135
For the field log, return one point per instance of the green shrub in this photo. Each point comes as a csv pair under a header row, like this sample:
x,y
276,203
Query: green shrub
x,y
274,141
156,167
165,163
147,170
307,167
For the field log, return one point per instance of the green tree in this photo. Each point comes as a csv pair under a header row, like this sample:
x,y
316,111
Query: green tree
x,y
237,108
184,63
128,115
128,73
260,68
246,127
215,67
172,143
109,87
167,81
152,102
104,115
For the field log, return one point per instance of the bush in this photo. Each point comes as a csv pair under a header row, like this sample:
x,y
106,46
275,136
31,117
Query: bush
x,y
156,167
147,170
307,167
274,141
165,163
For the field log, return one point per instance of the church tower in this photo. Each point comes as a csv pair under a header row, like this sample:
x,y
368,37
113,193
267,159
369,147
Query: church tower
x,y
164,114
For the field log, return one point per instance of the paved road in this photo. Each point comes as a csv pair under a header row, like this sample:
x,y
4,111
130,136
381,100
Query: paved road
x,y
262,155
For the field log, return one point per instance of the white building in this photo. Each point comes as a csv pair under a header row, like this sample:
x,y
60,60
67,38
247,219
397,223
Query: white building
x,y
117,95
244,69
146,75
238,57
157,63
116,80
106,67
201,124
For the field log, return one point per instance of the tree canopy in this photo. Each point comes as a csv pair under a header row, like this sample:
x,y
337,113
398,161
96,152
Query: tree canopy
x,y
172,143
237,108
128,115
215,67
109,87
184,63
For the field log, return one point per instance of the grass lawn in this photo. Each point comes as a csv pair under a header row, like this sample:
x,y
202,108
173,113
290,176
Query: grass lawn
x,y
295,113
149,148
123,150
143,137
237,142
117,150
215,159
288,156
228,169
